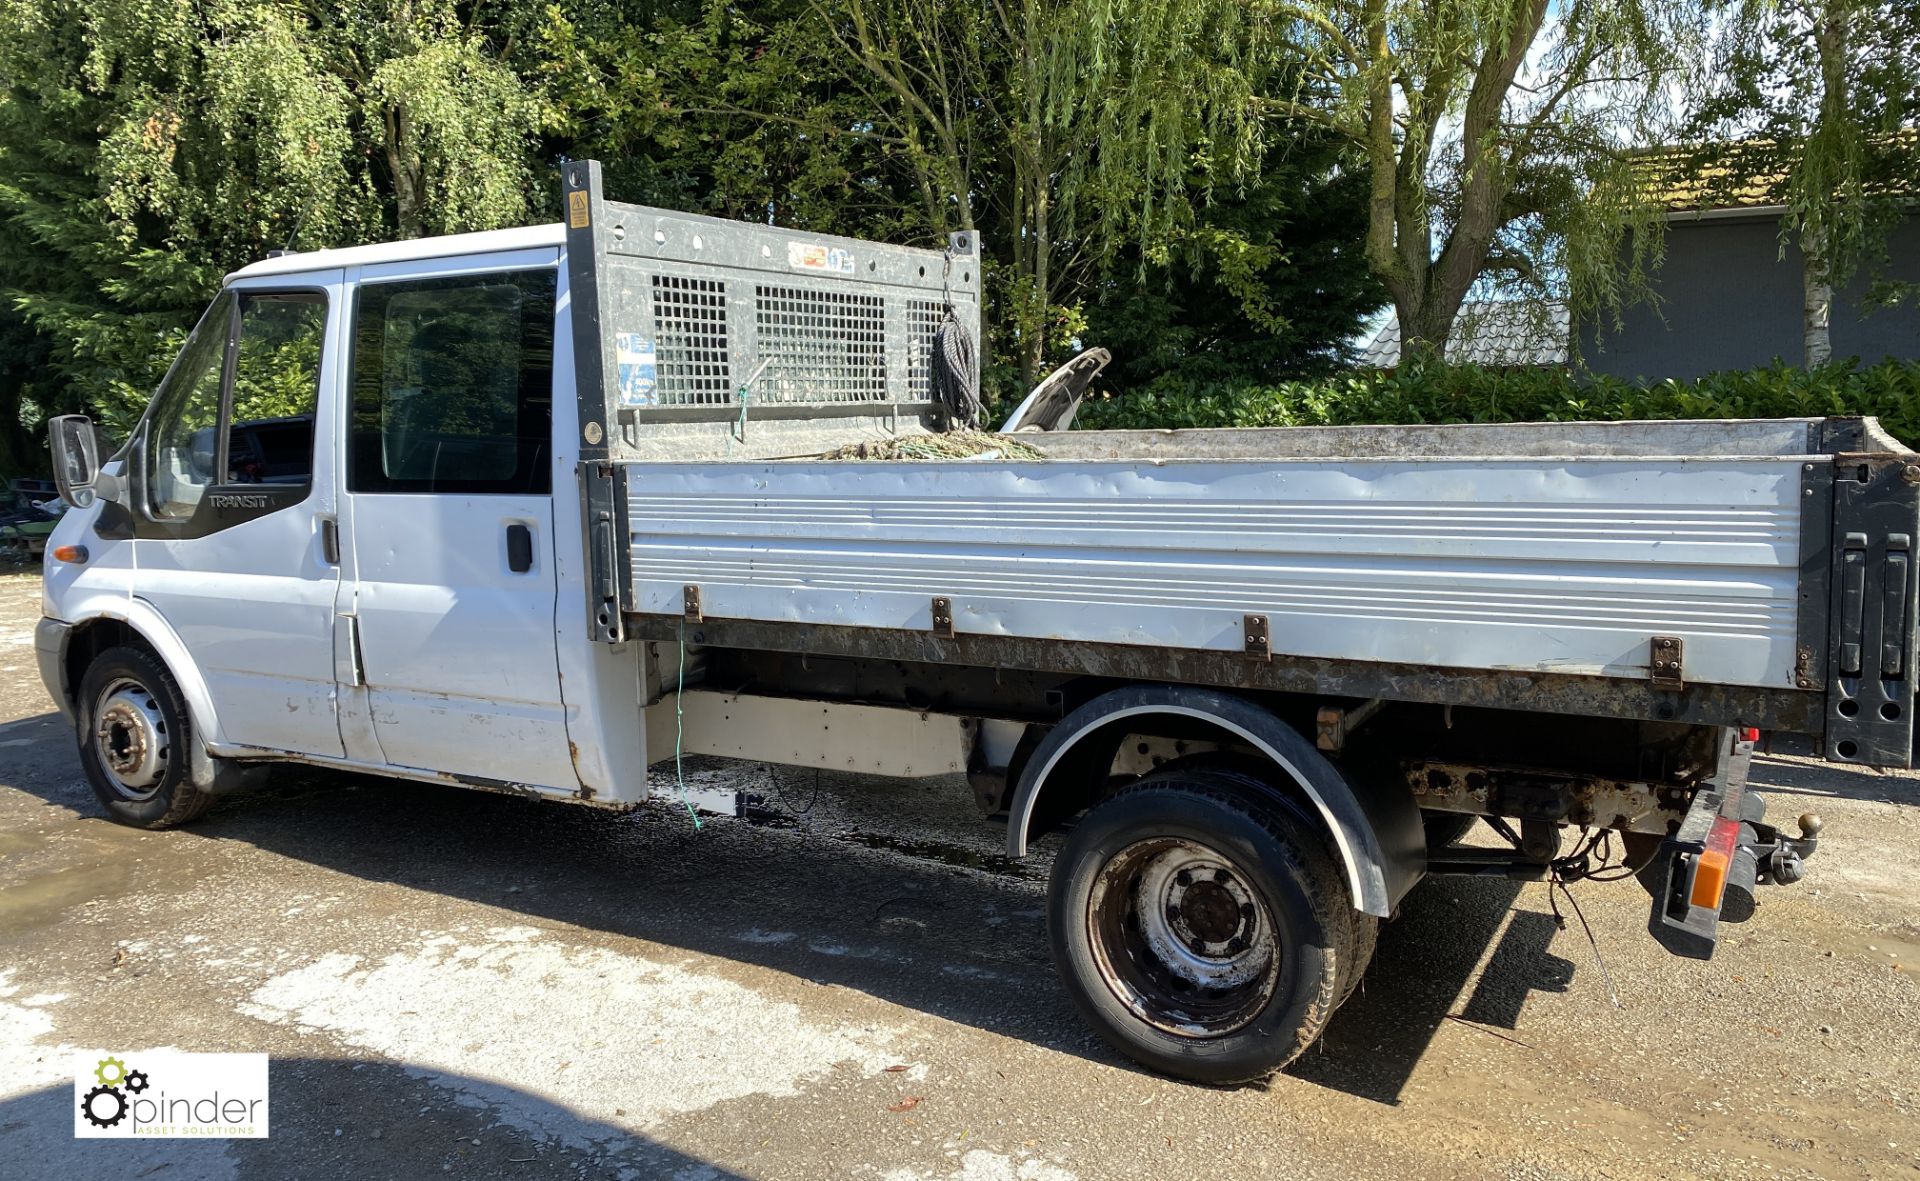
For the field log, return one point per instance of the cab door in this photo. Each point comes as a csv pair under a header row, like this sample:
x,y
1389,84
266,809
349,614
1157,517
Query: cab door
x,y
447,516
232,505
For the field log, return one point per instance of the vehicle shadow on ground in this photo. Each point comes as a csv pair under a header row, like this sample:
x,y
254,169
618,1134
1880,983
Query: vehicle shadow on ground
x,y
964,946
1426,960
1802,785
347,1118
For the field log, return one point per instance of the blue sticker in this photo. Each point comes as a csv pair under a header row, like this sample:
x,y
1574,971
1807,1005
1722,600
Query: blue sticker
x,y
638,369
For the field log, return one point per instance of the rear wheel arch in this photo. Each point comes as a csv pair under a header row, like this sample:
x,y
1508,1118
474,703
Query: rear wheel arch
x,y
1377,839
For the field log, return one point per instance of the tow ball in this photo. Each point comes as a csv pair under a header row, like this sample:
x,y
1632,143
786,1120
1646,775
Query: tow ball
x,y
1784,862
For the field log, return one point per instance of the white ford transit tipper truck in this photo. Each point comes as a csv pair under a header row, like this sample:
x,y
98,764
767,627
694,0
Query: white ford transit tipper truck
x,y
536,510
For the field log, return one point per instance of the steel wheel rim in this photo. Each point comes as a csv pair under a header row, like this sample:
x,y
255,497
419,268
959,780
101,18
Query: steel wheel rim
x,y
130,739
1182,937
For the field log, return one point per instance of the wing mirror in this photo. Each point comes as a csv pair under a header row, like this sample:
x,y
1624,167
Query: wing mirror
x,y
76,458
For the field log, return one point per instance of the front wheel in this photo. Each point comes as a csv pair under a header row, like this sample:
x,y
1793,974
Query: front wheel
x,y
135,740
1201,930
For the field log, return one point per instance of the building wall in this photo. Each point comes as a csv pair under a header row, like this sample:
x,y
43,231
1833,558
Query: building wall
x,y
1729,298
1883,332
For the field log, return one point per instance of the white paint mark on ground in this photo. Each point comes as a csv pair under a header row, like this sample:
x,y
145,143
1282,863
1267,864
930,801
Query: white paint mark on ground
x,y
570,1043
981,1165
25,1064
970,972
834,947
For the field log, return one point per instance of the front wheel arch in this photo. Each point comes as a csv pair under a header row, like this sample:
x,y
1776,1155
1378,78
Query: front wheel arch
x,y
1377,837
98,625
101,632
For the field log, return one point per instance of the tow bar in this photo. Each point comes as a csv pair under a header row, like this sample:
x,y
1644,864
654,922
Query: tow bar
x,y
1722,851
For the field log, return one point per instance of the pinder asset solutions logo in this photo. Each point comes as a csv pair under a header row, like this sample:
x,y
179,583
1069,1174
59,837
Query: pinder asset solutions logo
x,y
170,1093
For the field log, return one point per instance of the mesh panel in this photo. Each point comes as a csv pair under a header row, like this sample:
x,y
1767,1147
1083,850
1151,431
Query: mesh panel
x,y
820,346
690,324
923,323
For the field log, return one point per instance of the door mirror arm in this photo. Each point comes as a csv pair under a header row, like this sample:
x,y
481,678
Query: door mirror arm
x,y
111,485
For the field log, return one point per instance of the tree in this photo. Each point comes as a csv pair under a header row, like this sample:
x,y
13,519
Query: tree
x,y
149,149
1268,283
717,108
1090,144
240,120
1061,129
90,317
1813,104
1494,134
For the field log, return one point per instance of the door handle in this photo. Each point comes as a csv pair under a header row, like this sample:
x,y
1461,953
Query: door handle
x,y
330,540
519,548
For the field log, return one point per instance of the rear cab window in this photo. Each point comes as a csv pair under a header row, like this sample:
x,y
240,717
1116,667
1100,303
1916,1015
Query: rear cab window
x,y
453,385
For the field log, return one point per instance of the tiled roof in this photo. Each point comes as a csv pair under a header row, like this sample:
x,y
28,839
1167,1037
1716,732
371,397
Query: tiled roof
x,y
1498,333
1752,173
1746,175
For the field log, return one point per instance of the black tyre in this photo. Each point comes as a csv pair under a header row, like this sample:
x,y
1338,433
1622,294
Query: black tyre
x,y
135,740
1446,828
1200,928
1366,937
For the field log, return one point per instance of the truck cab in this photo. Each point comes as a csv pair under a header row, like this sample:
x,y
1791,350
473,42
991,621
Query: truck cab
x,y
336,523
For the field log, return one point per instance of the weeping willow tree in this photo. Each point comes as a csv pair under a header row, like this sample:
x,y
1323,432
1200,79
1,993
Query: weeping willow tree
x,y
245,118
1812,104
1068,126
1497,136
147,149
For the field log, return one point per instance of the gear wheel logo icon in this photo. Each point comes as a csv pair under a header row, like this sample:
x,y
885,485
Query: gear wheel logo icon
x,y
110,1072
94,1102
136,1081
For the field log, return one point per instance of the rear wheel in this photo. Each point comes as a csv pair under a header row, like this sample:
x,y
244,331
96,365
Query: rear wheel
x,y
1202,930
135,740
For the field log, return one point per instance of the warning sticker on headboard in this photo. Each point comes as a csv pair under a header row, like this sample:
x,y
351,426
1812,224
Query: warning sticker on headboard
x,y
808,256
638,369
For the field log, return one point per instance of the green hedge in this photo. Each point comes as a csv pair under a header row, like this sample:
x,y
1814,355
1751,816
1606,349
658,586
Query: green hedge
x,y
1889,391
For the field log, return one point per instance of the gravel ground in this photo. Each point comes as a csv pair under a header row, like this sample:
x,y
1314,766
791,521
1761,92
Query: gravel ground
x,y
461,983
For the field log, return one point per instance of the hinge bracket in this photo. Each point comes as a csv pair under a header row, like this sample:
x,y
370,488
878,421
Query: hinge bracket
x,y
943,617
1666,663
690,604
606,558
1253,629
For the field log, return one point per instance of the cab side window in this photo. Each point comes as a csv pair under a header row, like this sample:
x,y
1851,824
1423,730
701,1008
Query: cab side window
x,y
238,407
453,385
276,381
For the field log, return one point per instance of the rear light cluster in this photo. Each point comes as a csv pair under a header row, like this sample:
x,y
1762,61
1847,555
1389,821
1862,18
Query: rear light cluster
x,y
1711,866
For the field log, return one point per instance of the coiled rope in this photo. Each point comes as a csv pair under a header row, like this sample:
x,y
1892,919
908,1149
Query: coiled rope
x,y
956,374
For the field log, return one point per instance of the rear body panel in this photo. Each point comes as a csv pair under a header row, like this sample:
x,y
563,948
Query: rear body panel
x,y
1543,566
